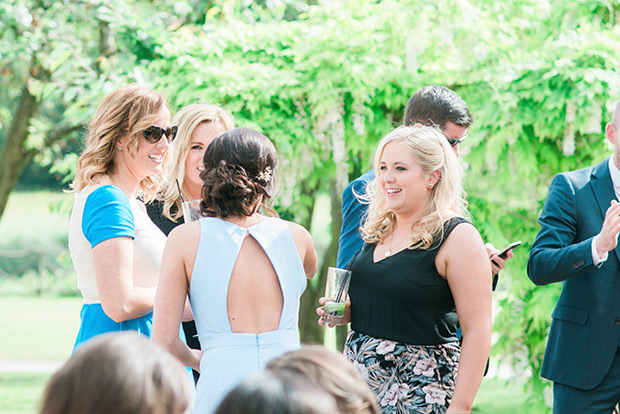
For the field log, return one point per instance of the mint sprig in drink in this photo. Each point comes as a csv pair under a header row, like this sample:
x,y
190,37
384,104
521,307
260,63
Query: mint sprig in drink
x,y
334,311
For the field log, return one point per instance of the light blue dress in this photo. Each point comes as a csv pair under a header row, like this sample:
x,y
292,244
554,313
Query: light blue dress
x,y
229,357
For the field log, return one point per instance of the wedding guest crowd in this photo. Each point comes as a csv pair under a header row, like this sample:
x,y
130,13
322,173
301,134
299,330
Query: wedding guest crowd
x,y
419,303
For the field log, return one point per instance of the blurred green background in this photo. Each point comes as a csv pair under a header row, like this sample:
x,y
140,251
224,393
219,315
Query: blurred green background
x,y
325,80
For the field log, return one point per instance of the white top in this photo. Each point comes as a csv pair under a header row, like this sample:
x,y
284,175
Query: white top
x,y
148,248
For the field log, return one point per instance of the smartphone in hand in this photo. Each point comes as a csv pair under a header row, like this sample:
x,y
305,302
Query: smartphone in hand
x,y
511,246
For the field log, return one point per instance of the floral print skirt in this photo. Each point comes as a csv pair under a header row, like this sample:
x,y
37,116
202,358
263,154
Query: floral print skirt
x,y
406,378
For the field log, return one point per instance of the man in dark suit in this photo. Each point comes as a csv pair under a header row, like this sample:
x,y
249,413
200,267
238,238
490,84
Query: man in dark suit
x,y
577,245
431,105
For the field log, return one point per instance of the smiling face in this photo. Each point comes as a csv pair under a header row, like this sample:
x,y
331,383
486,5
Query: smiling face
x,y
402,182
201,137
149,158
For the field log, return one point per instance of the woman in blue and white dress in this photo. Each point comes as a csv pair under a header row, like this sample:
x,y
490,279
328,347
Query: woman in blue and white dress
x,y
115,248
245,271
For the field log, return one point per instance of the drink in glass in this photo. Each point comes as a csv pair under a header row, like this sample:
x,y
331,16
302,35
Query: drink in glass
x,y
191,210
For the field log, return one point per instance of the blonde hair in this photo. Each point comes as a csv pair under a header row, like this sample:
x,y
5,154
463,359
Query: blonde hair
x,y
119,372
188,118
432,152
331,371
128,110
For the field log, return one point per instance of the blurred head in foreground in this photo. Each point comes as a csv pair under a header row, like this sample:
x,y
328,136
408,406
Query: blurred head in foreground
x,y
122,373
331,371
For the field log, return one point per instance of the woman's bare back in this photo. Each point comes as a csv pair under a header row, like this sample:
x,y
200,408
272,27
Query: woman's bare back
x,y
254,299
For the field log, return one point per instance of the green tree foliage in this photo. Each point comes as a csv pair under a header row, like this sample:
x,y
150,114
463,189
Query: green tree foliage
x,y
56,59
541,100
325,80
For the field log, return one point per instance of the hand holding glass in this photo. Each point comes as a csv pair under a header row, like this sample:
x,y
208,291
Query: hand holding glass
x,y
336,291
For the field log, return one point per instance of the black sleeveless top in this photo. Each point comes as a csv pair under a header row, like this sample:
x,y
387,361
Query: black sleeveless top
x,y
402,297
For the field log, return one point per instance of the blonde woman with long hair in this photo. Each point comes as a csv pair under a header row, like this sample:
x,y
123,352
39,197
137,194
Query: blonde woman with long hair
x,y
115,248
198,125
423,265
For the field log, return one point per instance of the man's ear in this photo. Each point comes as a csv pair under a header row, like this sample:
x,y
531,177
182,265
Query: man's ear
x,y
610,133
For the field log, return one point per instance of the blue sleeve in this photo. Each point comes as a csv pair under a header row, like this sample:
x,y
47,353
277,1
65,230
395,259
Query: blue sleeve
x,y
555,254
353,212
107,214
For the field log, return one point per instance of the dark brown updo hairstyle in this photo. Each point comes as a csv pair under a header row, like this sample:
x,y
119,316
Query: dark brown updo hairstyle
x,y
239,167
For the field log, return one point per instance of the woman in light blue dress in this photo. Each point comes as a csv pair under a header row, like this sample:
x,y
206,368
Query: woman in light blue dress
x,y
115,248
244,271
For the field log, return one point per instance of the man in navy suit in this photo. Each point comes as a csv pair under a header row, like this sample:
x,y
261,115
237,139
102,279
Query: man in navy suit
x,y
431,105
577,245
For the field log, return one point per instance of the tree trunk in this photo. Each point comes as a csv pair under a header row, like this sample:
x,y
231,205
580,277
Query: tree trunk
x,y
310,331
13,157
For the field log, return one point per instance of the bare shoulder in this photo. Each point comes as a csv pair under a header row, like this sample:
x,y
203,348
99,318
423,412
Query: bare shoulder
x,y
305,247
298,231
184,233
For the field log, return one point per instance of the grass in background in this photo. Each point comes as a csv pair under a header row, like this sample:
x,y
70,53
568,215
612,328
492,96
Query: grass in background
x,y
36,219
498,396
33,230
38,328
21,392
33,328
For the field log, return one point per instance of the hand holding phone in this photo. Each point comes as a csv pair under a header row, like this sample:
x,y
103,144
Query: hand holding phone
x,y
511,246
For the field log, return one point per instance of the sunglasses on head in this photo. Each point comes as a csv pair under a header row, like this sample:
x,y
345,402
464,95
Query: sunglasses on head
x,y
154,133
453,141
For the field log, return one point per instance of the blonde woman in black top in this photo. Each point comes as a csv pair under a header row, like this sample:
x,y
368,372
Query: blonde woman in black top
x,y
422,266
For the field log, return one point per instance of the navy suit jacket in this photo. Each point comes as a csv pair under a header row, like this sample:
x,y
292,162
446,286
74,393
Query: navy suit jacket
x,y
585,330
353,213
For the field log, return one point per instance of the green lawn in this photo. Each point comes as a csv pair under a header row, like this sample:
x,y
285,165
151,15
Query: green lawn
x,y
498,396
34,328
35,219
33,245
21,392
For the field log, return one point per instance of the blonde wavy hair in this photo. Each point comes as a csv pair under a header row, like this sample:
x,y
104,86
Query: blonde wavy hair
x,y
128,110
431,151
187,118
